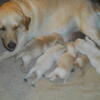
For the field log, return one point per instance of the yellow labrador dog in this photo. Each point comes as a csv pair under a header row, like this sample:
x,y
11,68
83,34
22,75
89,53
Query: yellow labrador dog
x,y
20,20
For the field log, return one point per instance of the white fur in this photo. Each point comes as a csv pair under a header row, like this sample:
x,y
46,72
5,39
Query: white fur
x,y
61,73
45,62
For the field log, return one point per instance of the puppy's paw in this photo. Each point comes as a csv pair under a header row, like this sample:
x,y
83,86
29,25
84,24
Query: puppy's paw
x,y
25,80
52,77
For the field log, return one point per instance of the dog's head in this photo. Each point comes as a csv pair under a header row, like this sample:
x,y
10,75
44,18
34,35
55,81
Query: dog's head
x,y
12,22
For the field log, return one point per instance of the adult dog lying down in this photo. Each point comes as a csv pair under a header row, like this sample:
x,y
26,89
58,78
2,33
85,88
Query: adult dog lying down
x,y
20,20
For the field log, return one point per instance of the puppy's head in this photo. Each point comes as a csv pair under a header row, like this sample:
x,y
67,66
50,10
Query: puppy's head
x,y
12,23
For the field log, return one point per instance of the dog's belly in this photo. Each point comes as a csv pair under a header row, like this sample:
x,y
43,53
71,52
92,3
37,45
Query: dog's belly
x,y
65,30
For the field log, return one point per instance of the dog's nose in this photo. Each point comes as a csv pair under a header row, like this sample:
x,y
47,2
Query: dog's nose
x,y
11,46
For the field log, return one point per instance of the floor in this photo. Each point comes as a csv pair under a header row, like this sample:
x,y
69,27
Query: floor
x,y
12,86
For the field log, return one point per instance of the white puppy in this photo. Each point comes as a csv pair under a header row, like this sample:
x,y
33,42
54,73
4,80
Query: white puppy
x,y
38,46
45,62
89,48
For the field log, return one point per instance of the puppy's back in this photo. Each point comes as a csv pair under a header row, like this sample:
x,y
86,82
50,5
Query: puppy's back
x,y
53,38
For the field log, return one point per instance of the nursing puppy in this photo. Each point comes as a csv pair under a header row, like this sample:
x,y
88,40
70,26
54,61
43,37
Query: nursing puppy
x,y
68,61
45,62
37,46
89,48
20,20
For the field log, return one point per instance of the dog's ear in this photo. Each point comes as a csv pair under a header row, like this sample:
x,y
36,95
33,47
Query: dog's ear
x,y
27,21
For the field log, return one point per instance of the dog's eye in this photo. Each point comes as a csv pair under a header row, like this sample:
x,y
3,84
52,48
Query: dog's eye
x,y
3,28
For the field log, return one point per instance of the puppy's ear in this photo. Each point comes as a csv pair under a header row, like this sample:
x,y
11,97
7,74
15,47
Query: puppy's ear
x,y
27,21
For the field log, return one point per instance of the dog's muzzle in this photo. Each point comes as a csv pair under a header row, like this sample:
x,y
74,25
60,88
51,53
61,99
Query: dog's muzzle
x,y
11,46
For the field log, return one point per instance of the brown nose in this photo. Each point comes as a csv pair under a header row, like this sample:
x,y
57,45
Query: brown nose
x,y
11,46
